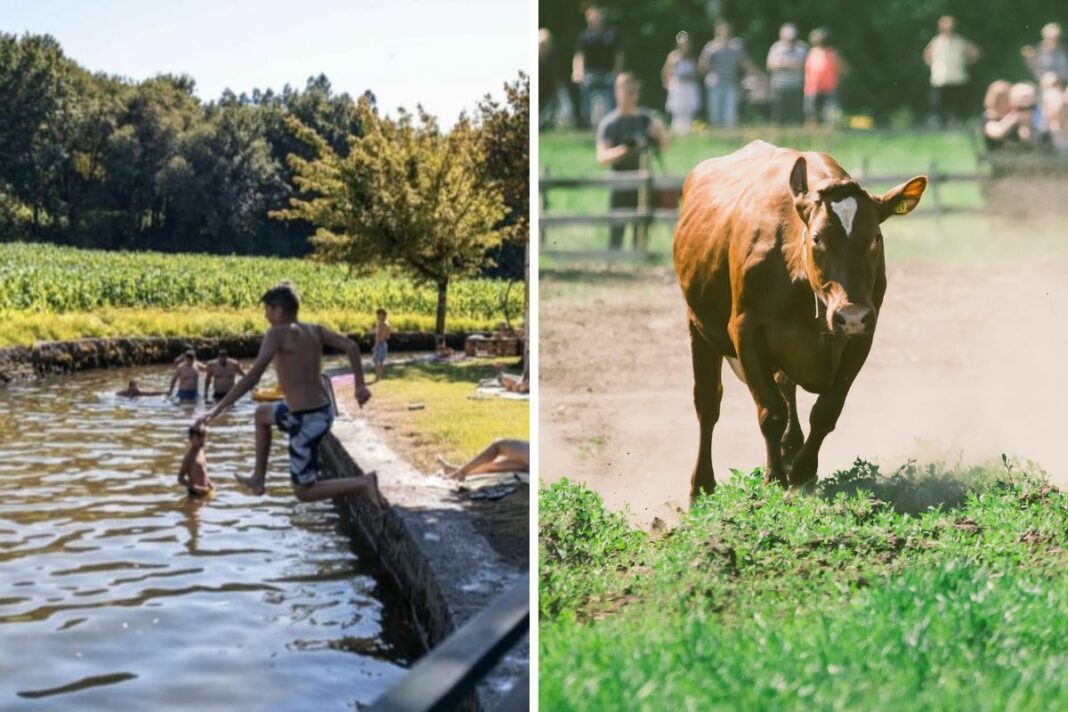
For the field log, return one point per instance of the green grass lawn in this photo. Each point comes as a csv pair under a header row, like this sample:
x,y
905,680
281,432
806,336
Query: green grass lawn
x,y
926,590
451,423
572,154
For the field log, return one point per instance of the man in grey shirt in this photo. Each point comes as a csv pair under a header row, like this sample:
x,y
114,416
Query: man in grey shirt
x,y
627,133
786,63
721,62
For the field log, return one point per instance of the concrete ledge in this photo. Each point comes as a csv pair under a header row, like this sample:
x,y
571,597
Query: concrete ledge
x,y
428,540
54,357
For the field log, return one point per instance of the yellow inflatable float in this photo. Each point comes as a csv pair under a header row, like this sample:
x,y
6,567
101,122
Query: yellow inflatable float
x,y
266,395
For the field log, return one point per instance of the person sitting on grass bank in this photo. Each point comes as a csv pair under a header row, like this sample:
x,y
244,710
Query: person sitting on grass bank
x,y
224,373
381,346
187,376
134,391
193,474
306,413
500,456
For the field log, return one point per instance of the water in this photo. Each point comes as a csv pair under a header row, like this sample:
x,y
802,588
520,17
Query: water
x,y
119,592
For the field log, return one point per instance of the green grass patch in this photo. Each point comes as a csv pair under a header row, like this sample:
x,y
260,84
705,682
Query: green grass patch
x,y
451,422
928,589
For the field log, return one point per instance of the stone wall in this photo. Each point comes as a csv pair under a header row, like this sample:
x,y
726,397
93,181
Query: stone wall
x,y
54,357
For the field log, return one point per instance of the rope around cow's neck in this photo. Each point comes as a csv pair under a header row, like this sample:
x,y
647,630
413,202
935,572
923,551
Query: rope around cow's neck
x,y
804,261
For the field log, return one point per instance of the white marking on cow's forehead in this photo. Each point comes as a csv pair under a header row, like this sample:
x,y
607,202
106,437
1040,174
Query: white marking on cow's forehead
x,y
846,210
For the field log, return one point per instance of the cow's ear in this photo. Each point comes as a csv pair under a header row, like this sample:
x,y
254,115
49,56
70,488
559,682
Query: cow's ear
x,y
902,199
799,177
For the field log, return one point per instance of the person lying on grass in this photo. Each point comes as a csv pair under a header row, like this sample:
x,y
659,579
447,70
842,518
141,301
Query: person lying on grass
x,y
134,391
500,456
306,413
193,474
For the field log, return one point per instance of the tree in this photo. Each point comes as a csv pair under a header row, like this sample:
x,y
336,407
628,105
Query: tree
x,y
407,195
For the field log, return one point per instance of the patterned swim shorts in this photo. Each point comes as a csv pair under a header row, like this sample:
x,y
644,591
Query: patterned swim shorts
x,y
306,430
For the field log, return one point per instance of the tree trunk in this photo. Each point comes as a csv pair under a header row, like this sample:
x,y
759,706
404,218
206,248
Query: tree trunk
x,y
439,326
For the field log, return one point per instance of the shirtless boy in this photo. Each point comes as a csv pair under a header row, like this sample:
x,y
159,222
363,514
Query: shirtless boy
x,y
381,346
224,372
186,375
194,472
305,414
134,391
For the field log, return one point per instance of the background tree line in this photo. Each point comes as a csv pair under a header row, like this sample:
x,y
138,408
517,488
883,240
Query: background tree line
x,y
93,160
881,41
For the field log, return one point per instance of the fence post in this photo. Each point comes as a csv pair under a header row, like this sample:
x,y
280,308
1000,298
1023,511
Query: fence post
x,y
641,227
934,181
543,192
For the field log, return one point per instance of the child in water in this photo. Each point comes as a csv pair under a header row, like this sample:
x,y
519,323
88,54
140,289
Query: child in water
x,y
194,472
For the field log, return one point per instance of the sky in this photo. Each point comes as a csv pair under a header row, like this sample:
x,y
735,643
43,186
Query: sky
x,y
444,54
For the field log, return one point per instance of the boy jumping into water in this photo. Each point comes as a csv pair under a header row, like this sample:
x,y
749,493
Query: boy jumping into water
x,y
381,347
187,376
305,414
194,472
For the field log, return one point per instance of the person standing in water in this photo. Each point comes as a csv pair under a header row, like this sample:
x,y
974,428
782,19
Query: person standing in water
x,y
193,474
306,414
186,376
224,373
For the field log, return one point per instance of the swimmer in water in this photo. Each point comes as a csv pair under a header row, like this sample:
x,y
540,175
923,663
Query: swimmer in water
x,y
135,391
187,376
193,474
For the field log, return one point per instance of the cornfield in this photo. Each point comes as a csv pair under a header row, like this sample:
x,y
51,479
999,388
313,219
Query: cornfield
x,y
48,278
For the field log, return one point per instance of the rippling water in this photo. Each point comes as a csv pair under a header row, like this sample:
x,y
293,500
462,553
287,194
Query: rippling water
x,y
119,592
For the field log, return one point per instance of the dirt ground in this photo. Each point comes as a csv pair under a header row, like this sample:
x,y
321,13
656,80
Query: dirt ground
x,y
968,363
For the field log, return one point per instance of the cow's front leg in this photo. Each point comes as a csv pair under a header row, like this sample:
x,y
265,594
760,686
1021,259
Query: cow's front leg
x,y
794,437
825,412
707,394
772,413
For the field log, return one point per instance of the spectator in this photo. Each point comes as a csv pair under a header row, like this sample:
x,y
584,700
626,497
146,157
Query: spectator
x,y
1020,129
548,84
786,63
1049,56
721,62
822,69
625,135
996,104
598,58
948,55
1054,102
679,76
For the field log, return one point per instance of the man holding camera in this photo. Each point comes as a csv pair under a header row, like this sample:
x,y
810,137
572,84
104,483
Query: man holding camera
x,y
624,136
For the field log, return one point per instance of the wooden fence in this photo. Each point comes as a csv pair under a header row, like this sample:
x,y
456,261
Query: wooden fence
x,y
658,200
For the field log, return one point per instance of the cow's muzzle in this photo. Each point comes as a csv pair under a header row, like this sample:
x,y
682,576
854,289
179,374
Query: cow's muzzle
x,y
851,319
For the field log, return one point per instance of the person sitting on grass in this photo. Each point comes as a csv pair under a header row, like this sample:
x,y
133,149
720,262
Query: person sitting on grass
x,y
193,474
224,372
187,376
306,413
381,346
134,391
500,456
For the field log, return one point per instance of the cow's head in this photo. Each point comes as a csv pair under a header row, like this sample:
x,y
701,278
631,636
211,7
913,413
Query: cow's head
x,y
843,245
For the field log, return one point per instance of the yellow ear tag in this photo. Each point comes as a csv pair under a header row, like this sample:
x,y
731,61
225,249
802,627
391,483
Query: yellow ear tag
x,y
901,208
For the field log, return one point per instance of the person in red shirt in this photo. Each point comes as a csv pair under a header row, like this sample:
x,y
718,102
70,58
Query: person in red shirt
x,y
822,70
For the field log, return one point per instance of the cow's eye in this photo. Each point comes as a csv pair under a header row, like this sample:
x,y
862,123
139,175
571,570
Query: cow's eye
x,y
816,240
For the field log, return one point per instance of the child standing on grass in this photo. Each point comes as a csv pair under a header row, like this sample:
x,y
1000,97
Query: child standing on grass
x,y
306,414
381,347
193,474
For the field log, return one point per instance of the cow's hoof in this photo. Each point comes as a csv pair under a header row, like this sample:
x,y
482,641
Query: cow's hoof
x,y
775,479
705,489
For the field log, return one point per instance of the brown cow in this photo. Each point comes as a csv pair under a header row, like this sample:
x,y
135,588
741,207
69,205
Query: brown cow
x,y
780,258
